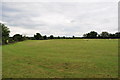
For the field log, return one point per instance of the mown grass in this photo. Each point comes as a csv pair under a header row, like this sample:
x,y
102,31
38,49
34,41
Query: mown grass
x,y
74,58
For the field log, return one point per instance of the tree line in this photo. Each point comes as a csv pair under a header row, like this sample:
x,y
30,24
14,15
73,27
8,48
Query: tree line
x,y
18,37
103,35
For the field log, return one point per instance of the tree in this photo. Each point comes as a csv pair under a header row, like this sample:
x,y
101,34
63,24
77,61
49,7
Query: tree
x,y
112,35
73,37
11,40
51,37
45,37
84,35
104,34
25,37
17,37
63,37
92,34
5,33
117,34
58,37
38,36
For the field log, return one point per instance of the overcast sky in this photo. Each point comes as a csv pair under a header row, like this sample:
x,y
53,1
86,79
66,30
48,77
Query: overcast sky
x,y
60,18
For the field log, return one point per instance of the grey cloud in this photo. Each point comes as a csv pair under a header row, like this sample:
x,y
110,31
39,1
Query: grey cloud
x,y
68,17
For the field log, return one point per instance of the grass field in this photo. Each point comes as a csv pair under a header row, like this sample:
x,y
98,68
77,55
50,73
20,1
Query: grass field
x,y
71,58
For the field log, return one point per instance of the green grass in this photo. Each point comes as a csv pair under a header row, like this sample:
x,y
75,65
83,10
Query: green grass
x,y
0,62
74,58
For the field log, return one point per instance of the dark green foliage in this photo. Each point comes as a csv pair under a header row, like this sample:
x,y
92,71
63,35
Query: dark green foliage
x,y
51,37
25,38
73,37
11,40
104,34
5,33
112,35
117,34
45,37
85,35
0,35
58,37
5,39
38,36
18,37
92,34
63,37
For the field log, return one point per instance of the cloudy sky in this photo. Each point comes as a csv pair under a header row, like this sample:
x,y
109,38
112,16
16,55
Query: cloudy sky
x,y
60,18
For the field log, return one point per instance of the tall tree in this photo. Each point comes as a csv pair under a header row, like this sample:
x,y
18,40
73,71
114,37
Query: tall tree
x,y
5,33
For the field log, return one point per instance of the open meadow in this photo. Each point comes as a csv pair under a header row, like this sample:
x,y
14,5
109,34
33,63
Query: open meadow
x,y
61,58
